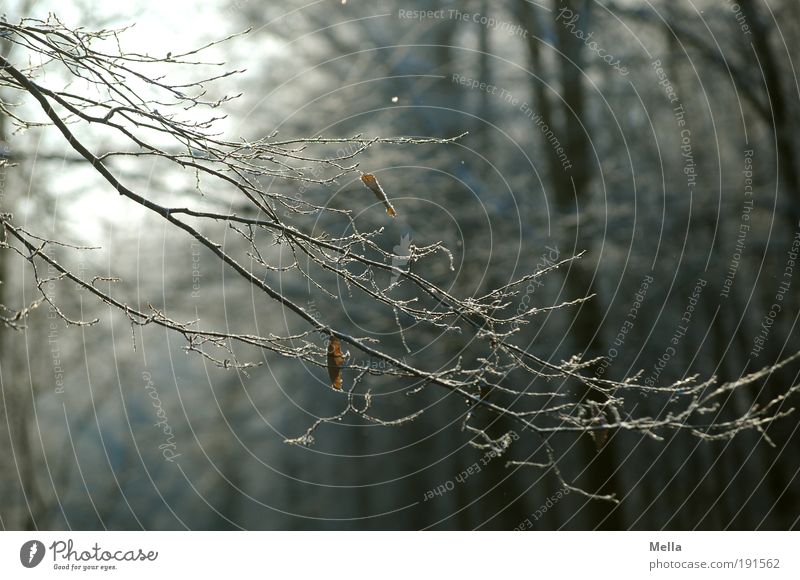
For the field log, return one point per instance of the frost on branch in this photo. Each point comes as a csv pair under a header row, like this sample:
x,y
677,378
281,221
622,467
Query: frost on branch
x,y
110,91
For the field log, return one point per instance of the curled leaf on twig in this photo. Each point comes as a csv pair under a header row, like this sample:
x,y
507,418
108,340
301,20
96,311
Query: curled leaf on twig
x,y
335,362
372,182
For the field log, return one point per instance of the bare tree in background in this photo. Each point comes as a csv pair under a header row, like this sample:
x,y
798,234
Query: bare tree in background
x,y
250,186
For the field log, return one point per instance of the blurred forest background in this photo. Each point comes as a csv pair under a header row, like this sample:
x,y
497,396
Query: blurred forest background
x,y
660,137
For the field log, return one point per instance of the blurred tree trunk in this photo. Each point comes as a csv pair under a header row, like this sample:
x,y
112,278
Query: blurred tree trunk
x,y
780,108
17,402
565,114
18,471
